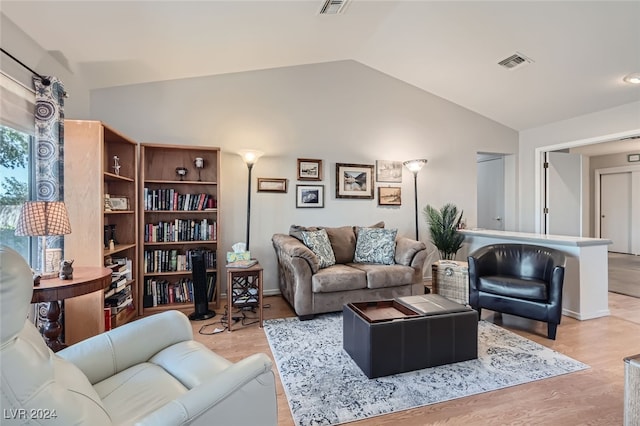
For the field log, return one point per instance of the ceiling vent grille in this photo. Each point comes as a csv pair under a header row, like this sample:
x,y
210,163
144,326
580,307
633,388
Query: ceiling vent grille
x,y
333,7
516,60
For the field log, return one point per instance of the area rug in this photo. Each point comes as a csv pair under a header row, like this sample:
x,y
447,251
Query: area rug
x,y
325,386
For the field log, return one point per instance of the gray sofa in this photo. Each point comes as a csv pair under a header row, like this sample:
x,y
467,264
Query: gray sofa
x,y
311,290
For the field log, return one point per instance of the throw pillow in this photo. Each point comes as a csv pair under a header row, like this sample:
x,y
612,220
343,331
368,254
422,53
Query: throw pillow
x,y
318,243
343,243
375,245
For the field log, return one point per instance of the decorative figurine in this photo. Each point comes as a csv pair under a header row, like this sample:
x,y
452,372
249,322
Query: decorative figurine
x,y
182,172
199,163
116,165
66,270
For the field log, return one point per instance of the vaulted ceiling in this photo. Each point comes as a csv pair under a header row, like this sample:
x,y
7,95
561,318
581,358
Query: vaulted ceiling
x,y
580,50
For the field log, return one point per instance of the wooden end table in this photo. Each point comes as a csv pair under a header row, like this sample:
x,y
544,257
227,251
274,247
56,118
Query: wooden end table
x,y
86,279
244,288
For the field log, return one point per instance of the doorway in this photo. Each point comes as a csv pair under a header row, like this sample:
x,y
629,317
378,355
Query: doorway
x,y
563,189
617,207
491,191
615,210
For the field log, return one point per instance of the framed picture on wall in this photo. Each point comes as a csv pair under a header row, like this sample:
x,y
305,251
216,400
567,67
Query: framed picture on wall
x,y
309,169
309,196
272,185
388,171
389,196
354,181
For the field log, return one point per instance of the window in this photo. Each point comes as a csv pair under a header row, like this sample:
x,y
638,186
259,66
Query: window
x,y
17,175
15,186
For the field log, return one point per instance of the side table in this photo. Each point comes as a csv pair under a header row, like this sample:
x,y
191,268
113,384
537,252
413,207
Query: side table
x,y
86,279
244,288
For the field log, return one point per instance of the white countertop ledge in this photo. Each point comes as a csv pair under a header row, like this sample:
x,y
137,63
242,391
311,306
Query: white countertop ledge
x,y
524,237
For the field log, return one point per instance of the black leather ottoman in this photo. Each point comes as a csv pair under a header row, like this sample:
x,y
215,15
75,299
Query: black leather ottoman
x,y
408,333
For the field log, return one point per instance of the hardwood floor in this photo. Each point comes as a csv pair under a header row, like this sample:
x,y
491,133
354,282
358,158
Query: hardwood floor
x,y
590,397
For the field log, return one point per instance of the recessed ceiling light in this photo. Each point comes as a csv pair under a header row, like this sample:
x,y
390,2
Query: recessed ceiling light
x,y
633,78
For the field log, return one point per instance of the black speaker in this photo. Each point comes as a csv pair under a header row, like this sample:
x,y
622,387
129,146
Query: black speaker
x,y
199,276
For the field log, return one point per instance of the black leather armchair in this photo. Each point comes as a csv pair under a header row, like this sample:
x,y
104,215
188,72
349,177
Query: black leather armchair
x,y
518,279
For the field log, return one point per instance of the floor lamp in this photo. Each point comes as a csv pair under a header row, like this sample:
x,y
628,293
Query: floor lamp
x,y
250,157
415,166
43,219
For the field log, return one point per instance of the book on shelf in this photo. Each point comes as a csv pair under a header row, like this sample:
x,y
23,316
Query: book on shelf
x,y
125,304
119,297
116,268
242,263
107,319
158,291
117,286
172,200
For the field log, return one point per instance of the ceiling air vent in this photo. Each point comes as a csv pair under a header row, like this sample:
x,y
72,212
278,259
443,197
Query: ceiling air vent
x,y
333,7
516,60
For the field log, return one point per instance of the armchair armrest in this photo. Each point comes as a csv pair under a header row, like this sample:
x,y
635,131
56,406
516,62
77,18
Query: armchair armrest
x,y
556,284
106,354
223,399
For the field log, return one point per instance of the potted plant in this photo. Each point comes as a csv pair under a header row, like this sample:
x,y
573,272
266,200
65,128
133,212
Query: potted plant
x,y
443,228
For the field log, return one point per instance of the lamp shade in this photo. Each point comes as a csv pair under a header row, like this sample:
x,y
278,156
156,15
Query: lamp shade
x,y
42,219
415,165
250,156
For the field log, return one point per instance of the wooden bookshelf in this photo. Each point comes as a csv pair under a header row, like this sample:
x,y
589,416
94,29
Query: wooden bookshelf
x,y
90,147
178,214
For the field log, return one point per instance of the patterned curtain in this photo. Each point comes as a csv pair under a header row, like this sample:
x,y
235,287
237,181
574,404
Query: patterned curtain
x,y
49,136
49,161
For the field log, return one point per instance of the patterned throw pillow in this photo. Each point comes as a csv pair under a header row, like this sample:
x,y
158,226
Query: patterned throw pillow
x,y
318,242
376,245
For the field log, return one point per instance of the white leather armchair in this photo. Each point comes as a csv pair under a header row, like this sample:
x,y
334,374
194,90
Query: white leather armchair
x,y
148,372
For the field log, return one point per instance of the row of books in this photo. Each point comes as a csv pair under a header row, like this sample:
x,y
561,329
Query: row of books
x,y
181,230
170,199
172,260
162,292
120,276
120,300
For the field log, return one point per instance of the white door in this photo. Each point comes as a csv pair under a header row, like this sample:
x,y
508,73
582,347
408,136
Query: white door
x,y
491,193
564,194
615,210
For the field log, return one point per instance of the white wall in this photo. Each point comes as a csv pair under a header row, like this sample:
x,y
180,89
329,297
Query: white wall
x,y
602,126
23,47
338,112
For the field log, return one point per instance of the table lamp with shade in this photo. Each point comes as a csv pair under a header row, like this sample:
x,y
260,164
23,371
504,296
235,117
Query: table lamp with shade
x,y
43,219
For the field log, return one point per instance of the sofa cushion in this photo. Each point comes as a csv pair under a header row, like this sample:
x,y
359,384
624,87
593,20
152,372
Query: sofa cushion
x,y
318,242
519,288
338,278
375,245
343,243
382,276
